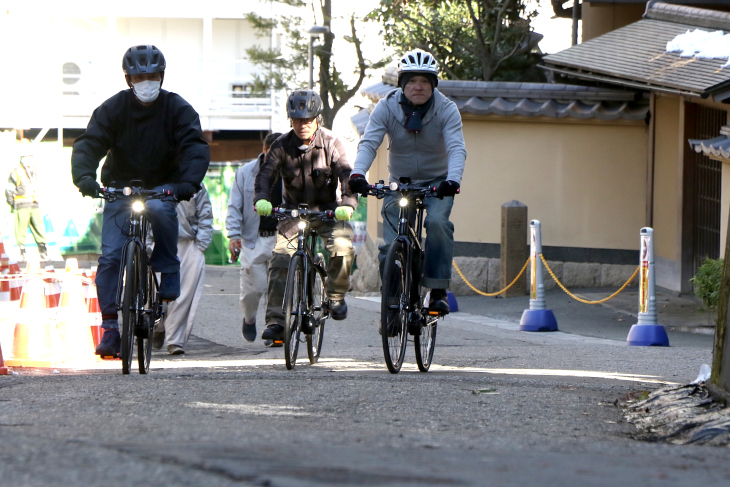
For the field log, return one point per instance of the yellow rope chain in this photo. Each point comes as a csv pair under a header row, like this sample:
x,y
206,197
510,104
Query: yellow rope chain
x,y
584,300
490,294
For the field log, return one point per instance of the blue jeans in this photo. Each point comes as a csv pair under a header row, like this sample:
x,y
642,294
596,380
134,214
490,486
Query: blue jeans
x,y
439,247
162,215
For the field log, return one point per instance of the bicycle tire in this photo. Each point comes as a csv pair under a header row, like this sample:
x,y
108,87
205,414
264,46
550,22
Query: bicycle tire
x,y
129,305
424,341
318,305
393,310
294,306
144,342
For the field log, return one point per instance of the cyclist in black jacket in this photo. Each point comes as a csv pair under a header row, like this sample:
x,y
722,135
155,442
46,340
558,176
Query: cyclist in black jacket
x,y
146,134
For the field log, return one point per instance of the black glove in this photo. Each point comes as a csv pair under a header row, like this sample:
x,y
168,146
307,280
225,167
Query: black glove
x,y
447,188
184,191
89,187
358,184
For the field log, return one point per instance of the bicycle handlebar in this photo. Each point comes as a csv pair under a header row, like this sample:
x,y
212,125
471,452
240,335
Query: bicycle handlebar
x,y
303,213
380,189
111,194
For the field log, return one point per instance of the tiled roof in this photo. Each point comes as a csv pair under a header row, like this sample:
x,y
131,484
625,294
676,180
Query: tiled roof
x,y
527,99
718,147
636,55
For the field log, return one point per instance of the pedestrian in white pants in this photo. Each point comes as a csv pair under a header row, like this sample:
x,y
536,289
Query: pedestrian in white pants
x,y
251,237
195,218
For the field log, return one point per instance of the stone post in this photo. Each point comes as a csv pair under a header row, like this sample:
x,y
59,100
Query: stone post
x,y
513,251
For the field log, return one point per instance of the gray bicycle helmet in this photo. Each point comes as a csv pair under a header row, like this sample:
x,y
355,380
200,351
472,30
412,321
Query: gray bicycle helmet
x,y
418,61
142,60
304,104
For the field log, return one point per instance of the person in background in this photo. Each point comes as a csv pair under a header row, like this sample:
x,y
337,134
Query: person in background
x,y
22,196
195,232
252,237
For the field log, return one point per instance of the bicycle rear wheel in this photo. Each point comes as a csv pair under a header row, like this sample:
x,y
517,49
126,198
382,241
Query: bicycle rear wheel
x,y
294,307
144,337
318,306
130,303
425,341
394,307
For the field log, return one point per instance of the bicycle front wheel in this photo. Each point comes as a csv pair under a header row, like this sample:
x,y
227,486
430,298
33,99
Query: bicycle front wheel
x,y
394,307
130,303
318,306
294,306
425,340
144,337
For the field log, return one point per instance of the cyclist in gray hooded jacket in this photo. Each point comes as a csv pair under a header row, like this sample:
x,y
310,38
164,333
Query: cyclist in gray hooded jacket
x,y
427,145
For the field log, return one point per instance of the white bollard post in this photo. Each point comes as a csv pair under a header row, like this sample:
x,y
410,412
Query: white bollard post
x,y
537,318
647,332
537,286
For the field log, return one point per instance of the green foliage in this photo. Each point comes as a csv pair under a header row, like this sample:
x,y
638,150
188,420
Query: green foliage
x,y
472,39
707,282
292,72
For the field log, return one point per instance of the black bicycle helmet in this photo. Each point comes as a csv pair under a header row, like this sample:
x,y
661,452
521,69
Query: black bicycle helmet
x,y
304,104
142,60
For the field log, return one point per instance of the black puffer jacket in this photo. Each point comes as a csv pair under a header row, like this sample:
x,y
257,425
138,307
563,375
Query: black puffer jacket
x,y
312,176
158,144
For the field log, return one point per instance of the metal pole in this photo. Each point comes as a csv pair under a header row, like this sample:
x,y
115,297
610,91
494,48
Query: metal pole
x,y
576,7
537,288
311,62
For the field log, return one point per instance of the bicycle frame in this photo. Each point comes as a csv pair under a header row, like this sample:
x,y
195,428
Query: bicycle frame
x,y
306,241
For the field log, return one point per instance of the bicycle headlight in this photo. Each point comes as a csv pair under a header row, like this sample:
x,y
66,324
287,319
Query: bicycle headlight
x,y
137,206
295,213
403,202
393,186
302,225
127,191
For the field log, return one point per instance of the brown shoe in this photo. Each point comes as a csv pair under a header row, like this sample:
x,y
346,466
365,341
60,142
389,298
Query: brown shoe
x,y
175,350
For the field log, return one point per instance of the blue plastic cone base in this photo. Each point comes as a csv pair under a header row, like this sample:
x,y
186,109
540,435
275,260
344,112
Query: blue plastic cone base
x,y
648,336
451,299
538,320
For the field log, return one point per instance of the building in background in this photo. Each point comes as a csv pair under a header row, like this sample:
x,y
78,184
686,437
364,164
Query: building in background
x,y
63,59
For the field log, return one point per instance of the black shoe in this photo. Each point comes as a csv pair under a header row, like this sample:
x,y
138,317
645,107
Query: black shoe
x,y
338,309
438,302
42,252
248,330
274,332
170,286
158,338
110,344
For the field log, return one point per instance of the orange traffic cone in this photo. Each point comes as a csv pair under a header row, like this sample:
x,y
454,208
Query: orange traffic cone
x,y
4,262
72,314
13,267
94,315
35,338
4,289
3,370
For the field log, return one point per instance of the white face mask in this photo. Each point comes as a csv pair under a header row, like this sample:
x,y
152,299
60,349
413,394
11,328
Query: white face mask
x,y
147,91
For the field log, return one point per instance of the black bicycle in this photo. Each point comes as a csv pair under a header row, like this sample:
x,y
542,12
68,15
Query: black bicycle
x,y
404,305
137,290
305,300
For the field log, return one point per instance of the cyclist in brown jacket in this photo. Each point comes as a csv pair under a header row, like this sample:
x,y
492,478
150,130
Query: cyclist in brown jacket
x,y
314,168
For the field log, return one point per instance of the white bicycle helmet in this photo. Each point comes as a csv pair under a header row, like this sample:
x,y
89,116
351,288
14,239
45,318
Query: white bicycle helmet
x,y
418,61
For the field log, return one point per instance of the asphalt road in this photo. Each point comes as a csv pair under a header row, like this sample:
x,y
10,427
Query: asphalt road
x,y
499,407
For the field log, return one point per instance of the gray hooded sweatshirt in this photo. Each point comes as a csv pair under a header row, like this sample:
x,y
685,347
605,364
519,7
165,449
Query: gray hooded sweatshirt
x,y
436,152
